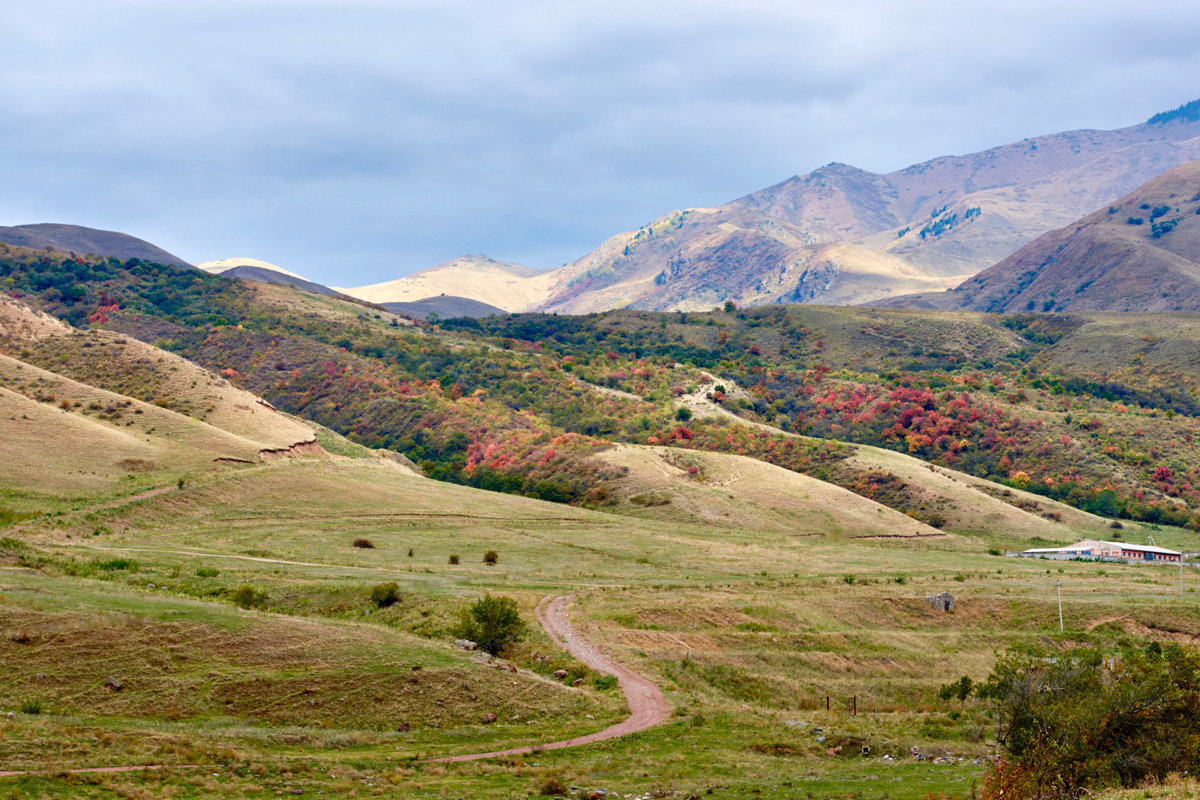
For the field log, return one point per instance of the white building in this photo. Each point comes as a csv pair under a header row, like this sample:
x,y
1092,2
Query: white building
x,y
1106,551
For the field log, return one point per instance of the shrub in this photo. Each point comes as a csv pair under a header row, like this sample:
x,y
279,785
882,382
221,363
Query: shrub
x,y
365,544
491,557
1077,719
553,786
684,414
248,596
385,594
118,564
31,707
849,580
606,682
493,623
207,572
453,559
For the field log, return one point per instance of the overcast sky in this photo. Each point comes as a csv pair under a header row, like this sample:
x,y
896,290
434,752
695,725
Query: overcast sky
x,y
356,142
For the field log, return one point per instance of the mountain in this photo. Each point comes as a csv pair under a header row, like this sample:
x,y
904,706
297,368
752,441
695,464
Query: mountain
x,y
252,269
510,287
837,235
77,239
1141,253
444,306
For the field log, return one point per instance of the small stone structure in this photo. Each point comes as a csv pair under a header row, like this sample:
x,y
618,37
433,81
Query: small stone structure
x,y
943,602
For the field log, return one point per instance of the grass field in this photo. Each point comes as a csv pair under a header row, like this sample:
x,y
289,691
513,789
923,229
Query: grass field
x,y
748,622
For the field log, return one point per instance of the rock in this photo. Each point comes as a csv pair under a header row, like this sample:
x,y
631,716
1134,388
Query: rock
x,y
489,718
41,676
113,683
465,644
578,682
559,674
404,727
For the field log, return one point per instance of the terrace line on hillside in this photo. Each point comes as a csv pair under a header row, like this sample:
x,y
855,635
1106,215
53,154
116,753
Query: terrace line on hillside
x,y
1106,551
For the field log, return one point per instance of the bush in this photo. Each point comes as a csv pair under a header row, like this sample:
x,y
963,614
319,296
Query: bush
x,y
453,559
118,564
1080,719
493,623
684,414
207,572
385,594
491,557
365,544
553,786
247,596
606,682
31,707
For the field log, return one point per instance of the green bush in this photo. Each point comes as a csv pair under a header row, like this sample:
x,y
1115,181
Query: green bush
x,y
491,557
1080,719
454,559
606,682
493,623
31,707
385,594
207,572
248,596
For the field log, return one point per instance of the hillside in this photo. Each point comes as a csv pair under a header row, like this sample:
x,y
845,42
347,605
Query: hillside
x,y
81,240
95,412
508,286
752,510
1140,253
443,306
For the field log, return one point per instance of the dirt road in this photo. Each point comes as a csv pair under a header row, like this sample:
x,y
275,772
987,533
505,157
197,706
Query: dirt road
x,y
647,705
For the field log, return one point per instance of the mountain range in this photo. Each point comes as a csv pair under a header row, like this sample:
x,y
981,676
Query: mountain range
x,y
837,235
1004,228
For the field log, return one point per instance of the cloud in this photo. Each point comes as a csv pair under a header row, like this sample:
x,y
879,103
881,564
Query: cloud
x,y
355,142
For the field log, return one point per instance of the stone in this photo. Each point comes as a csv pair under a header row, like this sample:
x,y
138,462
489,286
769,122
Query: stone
x,y
465,644
489,718
404,727
113,683
559,674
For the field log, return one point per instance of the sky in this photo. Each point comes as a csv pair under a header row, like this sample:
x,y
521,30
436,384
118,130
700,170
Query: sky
x,y
356,142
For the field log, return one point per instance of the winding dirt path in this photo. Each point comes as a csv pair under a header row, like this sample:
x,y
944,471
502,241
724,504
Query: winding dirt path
x,y
647,704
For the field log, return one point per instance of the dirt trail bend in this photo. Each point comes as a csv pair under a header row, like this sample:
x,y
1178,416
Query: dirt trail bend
x,y
647,704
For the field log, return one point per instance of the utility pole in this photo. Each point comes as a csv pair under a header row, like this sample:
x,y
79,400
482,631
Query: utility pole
x,y
1058,588
1181,572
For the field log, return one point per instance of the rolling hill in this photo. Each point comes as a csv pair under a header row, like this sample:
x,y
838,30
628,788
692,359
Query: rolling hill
x,y
81,240
252,269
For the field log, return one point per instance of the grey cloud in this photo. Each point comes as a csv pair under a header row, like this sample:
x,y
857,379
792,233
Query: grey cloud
x,y
354,142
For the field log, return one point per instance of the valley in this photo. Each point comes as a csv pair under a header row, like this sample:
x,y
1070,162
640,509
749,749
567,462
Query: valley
x,y
263,514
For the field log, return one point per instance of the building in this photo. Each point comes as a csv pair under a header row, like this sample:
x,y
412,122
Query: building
x,y
1106,551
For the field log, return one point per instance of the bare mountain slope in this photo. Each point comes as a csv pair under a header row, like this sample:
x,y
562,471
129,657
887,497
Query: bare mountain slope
x,y
512,287
1141,253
